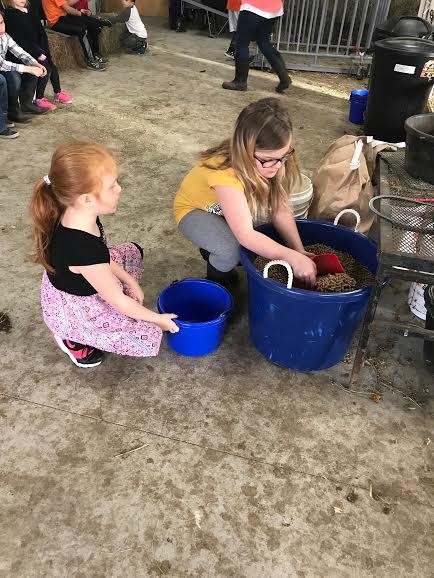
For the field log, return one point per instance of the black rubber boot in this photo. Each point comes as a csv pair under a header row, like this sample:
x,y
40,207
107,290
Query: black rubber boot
x,y
428,346
278,65
205,254
27,92
33,109
17,116
228,279
241,74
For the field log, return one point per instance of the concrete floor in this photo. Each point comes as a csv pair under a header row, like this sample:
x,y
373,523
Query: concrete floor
x,y
243,469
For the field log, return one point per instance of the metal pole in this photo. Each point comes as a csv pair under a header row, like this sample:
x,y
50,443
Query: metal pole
x,y
350,34
372,25
362,24
321,28
312,22
332,24
344,15
291,19
301,25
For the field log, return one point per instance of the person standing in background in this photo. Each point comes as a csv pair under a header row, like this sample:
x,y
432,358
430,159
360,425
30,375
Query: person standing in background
x,y
175,16
255,22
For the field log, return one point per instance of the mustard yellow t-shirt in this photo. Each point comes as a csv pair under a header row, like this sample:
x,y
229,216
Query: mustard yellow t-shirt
x,y
197,192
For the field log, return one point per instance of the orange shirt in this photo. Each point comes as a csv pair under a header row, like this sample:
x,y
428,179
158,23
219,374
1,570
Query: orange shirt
x,y
233,5
53,10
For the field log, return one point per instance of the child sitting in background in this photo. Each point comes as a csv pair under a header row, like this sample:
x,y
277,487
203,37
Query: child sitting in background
x,y
21,77
135,36
91,297
25,27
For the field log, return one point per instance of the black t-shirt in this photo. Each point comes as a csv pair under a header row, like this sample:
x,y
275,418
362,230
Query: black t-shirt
x,y
72,247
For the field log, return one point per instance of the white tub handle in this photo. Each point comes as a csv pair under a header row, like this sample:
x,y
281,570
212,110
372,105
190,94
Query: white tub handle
x,y
353,212
284,264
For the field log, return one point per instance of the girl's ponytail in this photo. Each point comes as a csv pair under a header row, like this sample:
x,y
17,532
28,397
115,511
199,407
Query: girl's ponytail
x,y
77,167
45,212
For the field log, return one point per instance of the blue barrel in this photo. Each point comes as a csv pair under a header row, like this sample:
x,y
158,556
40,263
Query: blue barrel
x,y
202,308
358,103
300,329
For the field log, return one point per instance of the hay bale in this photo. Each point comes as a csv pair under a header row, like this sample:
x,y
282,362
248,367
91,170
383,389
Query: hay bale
x,y
66,50
109,39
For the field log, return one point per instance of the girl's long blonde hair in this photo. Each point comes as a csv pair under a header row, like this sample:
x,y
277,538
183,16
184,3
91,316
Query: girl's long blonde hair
x,y
77,168
262,125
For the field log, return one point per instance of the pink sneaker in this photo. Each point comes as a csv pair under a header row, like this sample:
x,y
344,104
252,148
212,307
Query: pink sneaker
x,y
62,97
45,103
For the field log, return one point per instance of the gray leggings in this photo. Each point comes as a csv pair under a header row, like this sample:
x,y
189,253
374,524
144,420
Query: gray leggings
x,y
212,233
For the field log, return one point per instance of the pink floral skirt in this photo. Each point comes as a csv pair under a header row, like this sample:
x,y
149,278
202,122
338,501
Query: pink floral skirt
x,y
92,321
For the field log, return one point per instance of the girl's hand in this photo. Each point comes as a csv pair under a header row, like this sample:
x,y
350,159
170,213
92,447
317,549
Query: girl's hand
x,y
303,267
86,12
307,253
42,58
136,292
166,323
35,70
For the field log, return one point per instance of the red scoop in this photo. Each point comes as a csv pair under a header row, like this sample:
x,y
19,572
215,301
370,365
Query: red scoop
x,y
327,264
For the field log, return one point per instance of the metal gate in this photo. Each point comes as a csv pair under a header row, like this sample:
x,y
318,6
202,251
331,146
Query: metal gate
x,y
329,35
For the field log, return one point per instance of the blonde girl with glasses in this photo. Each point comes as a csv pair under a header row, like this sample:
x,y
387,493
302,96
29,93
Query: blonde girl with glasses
x,y
245,178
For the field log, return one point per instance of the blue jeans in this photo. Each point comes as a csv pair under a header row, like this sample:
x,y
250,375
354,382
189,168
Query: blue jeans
x,y
3,102
250,27
21,89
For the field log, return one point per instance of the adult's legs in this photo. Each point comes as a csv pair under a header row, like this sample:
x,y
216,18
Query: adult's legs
x,y
246,31
264,31
175,16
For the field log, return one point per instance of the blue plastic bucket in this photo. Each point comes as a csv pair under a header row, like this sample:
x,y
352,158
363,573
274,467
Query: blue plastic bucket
x,y
306,330
202,308
358,102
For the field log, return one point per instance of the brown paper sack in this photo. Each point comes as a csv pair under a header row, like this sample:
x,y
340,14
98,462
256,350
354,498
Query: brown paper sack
x,y
336,186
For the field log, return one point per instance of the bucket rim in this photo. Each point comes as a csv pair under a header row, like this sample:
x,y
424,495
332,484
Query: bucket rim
x,y
305,293
417,132
217,321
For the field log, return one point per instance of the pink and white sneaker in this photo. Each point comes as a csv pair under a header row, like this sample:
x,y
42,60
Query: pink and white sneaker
x,y
80,355
62,97
45,104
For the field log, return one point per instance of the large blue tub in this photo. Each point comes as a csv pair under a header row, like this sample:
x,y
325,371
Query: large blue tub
x,y
305,330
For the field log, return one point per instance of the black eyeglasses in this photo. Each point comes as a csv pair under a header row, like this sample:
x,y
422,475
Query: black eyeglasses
x,y
273,162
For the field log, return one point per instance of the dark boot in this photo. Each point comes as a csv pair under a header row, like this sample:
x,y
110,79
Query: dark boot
x,y
278,65
228,279
205,254
17,116
33,109
241,74
27,92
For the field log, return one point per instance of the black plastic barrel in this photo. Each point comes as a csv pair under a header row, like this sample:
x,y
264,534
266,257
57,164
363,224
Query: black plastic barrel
x,y
398,87
419,152
403,26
